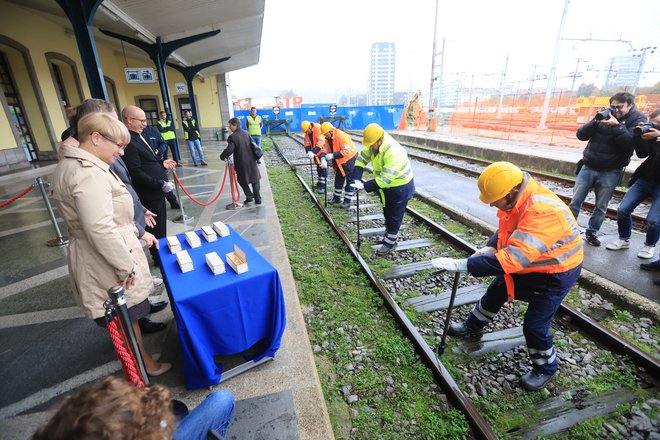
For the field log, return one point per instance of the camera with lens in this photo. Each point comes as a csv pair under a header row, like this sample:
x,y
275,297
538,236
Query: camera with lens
x,y
605,113
645,128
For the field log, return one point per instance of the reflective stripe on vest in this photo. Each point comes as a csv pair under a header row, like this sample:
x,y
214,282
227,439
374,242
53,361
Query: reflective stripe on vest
x,y
391,166
169,134
538,235
342,143
254,125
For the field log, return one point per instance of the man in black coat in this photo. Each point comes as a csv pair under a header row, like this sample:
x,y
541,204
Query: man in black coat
x,y
606,156
155,140
148,173
247,171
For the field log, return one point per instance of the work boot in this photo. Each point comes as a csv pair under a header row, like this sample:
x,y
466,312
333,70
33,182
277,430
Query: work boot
x,y
334,200
384,249
320,189
346,204
462,331
651,267
592,239
534,380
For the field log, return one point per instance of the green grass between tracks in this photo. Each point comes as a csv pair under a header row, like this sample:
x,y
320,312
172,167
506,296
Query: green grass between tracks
x,y
362,347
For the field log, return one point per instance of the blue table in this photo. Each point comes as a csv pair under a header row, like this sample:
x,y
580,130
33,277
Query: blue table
x,y
222,314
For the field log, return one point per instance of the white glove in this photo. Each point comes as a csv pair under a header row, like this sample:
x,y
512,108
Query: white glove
x,y
450,264
167,186
357,184
329,156
486,250
324,163
310,155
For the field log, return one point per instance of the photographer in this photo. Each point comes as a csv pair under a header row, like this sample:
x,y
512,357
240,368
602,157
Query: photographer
x,y
607,154
644,183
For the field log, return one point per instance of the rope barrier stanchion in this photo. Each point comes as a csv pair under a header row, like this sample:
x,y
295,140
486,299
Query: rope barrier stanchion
x,y
233,185
13,199
118,302
128,363
60,240
182,217
183,188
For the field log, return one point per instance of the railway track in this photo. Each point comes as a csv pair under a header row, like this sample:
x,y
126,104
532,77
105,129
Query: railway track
x,y
416,274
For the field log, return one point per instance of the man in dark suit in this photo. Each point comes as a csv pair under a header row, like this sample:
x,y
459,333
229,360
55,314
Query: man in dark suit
x,y
148,172
158,144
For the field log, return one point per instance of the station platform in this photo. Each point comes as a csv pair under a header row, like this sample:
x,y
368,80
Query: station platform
x,y
460,193
49,349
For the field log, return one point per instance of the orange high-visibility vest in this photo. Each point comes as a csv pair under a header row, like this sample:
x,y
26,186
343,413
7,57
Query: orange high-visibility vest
x,y
316,139
539,234
342,142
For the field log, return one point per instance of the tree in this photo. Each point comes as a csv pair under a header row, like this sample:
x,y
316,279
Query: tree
x,y
586,89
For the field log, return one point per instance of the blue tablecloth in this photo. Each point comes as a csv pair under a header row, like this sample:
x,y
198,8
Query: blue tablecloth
x,y
222,314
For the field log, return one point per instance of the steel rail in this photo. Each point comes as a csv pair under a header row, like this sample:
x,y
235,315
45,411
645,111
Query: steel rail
x,y
480,427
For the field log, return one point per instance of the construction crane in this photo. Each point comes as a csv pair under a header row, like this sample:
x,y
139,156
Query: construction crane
x,y
413,110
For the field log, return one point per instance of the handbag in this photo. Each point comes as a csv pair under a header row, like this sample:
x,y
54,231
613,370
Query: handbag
x,y
256,150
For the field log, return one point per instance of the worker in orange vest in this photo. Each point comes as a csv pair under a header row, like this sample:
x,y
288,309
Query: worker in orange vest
x,y
536,256
342,152
315,148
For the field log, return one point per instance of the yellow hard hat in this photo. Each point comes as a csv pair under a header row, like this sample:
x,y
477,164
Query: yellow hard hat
x,y
326,127
304,125
497,180
372,133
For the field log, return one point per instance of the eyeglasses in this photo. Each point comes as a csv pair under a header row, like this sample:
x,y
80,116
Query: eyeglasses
x,y
109,139
143,121
618,107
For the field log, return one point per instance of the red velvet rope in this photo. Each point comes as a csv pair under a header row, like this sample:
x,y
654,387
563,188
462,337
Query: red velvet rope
x,y
224,179
13,199
128,362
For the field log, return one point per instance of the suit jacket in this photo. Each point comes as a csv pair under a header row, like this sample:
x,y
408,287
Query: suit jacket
x,y
119,167
146,169
155,139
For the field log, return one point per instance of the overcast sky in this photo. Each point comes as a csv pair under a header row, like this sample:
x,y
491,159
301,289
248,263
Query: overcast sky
x,y
320,50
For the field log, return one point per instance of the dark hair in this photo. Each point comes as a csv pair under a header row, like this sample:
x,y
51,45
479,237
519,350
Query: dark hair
x,y
92,105
626,97
112,408
253,108
235,122
654,114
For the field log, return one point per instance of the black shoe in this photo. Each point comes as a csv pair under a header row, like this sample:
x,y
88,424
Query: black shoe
x,y
334,200
179,165
384,249
592,239
204,163
147,326
345,205
248,201
257,200
534,381
195,164
462,330
157,307
657,282
651,267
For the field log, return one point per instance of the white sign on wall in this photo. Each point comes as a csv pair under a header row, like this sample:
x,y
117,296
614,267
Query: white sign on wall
x,y
181,87
140,75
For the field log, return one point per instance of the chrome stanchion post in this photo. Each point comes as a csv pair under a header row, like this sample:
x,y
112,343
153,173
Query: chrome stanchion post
x,y
118,299
60,240
233,204
182,217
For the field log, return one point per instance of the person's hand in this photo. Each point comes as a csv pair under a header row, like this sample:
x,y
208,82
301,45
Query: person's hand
x,y
167,186
357,184
651,134
611,121
324,163
450,264
169,164
149,239
329,156
310,155
486,250
150,219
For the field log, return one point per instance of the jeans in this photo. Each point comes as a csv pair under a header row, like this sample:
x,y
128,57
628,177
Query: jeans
x,y
256,138
603,182
640,190
175,151
543,293
215,412
196,144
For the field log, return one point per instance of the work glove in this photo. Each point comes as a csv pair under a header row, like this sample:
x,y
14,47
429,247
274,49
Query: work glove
x,y
357,184
324,163
329,156
450,264
310,155
486,250
167,186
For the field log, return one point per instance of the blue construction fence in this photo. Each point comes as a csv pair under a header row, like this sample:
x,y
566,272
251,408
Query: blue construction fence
x,y
387,116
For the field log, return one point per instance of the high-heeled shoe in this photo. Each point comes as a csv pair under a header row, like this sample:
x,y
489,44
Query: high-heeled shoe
x,y
164,368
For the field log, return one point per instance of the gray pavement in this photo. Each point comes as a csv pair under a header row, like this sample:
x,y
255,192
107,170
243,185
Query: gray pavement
x,y
48,348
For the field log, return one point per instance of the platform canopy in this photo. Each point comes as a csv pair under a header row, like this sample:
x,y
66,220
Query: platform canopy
x,y
240,23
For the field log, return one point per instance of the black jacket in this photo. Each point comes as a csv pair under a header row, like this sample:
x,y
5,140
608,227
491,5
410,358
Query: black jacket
x,y
152,135
649,170
609,148
245,164
146,169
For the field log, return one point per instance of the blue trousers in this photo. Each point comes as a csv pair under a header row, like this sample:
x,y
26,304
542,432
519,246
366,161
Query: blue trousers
x,y
196,144
396,201
256,139
603,182
340,180
215,412
544,293
637,193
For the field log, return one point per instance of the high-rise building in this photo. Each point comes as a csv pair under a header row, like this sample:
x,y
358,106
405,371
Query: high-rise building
x,y
381,74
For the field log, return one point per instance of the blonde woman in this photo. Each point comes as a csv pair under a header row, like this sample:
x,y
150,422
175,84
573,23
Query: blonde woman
x,y
104,249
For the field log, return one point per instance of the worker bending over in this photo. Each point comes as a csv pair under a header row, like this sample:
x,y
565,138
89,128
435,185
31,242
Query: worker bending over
x,y
536,255
393,179
315,148
342,150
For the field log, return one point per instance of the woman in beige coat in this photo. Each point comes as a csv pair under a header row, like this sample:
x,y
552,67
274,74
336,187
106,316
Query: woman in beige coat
x,y
104,249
